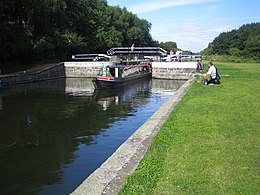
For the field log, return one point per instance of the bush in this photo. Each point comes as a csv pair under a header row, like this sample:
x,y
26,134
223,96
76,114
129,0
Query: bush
x,y
234,52
228,58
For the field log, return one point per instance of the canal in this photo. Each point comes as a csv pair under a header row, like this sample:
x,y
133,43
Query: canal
x,y
55,133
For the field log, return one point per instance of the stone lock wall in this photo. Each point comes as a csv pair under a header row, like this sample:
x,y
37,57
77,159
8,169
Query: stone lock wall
x,y
162,70
74,69
174,70
173,73
54,72
83,69
62,70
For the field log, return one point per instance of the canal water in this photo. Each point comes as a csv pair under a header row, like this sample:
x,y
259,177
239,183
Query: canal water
x,y
54,134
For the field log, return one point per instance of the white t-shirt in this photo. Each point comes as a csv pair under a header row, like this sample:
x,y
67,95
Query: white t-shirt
x,y
212,72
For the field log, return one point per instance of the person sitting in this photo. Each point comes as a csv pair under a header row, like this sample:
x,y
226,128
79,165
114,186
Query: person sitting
x,y
212,76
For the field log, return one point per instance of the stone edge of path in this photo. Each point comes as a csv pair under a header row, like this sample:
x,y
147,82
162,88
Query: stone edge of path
x,y
109,177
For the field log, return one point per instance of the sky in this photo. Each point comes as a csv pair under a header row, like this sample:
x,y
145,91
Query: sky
x,y
192,24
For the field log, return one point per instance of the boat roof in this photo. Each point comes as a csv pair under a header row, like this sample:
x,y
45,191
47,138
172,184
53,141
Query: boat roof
x,y
128,65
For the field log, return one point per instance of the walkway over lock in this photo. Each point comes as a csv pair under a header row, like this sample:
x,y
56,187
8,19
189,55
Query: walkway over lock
x,y
137,51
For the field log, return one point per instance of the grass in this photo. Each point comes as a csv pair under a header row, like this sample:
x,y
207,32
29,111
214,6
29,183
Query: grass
x,y
210,142
234,59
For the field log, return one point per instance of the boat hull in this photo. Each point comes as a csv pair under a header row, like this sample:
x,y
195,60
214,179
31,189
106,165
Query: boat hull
x,y
118,82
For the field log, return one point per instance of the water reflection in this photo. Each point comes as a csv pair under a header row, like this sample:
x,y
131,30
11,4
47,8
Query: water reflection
x,y
79,86
55,133
1,101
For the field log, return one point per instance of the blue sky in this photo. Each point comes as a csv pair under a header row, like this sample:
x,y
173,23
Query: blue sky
x,y
192,24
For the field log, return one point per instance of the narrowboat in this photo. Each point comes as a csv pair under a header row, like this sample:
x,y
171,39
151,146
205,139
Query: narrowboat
x,y
118,75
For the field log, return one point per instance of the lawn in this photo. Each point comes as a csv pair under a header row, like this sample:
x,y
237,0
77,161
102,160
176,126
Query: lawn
x,y
210,142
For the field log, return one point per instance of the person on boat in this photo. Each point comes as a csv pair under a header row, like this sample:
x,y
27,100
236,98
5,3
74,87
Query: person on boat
x,y
211,77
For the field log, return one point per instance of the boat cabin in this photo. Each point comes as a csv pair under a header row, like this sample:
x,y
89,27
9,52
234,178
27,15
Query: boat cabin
x,y
121,71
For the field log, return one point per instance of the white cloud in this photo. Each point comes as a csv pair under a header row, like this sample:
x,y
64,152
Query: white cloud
x,y
149,6
191,29
222,29
192,33
188,36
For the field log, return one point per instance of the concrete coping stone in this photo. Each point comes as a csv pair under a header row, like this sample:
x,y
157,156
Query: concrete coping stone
x,y
182,65
85,64
109,177
192,65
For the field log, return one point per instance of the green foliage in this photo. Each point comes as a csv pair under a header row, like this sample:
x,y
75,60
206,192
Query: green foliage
x,y
109,38
207,51
54,29
234,51
169,45
15,45
242,42
253,46
229,58
43,45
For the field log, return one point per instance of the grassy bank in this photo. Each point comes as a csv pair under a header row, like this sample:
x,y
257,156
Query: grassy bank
x,y
210,142
233,59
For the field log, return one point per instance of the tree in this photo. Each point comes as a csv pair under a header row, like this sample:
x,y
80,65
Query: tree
x,y
169,45
244,42
55,29
252,48
234,51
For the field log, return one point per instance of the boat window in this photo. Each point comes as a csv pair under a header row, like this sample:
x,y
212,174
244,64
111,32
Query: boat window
x,y
112,71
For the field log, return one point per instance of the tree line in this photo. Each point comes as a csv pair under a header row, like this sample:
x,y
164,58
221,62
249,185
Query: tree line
x,y
243,42
32,30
